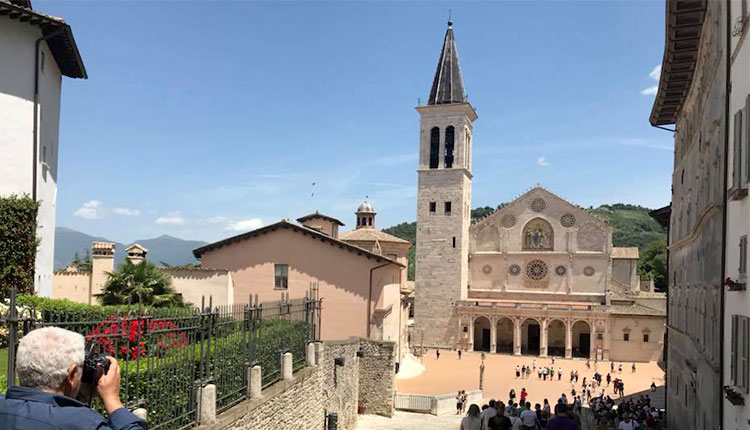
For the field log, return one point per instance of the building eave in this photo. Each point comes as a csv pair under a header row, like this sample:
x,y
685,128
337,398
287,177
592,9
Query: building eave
x,y
62,44
284,224
684,26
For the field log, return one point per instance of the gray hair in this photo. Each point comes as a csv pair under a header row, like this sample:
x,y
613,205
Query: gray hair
x,y
45,354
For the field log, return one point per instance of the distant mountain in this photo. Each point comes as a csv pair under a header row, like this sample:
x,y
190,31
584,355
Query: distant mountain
x,y
168,249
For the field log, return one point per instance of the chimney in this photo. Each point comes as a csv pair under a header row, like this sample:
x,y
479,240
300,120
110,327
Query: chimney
x,y
136,253
102,261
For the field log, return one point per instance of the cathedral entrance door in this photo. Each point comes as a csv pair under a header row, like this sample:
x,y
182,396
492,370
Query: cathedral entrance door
x,y
584,340
533,340
485,339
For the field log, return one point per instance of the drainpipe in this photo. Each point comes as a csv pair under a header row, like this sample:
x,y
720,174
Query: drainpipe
x,y
35,132
727,90
369,297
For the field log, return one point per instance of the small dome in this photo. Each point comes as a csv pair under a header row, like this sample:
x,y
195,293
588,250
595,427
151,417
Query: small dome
x,y
365,207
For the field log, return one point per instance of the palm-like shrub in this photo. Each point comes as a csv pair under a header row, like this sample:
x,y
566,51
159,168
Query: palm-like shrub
x,y
140,283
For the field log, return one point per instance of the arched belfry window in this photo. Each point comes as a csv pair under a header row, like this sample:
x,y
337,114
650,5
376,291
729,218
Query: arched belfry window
x,y
450,134
538,235
434,148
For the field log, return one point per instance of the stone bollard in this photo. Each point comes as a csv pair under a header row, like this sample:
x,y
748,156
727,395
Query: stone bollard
x,y
141,413
286,366
207,405
310,358
254,381
318,352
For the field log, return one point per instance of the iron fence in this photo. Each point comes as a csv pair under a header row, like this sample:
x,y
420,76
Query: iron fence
x,y
166,355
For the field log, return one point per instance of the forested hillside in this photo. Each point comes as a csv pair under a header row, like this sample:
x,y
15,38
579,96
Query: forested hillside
x,y
631,226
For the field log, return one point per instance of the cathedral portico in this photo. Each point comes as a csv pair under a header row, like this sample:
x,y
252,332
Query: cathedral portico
x,y
531,329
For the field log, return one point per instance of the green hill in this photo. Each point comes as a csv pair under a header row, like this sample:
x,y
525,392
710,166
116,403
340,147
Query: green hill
x,y
631,226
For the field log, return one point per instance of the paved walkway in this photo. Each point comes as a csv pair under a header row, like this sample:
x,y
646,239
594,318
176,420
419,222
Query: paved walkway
x,y
408,421
449,374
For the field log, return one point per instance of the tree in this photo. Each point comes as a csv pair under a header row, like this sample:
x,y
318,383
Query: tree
x,y
653,263
140,283
18,244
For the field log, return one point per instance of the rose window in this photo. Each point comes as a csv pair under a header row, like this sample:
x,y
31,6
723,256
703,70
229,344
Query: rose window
x,y
538,204
536,270
514,269
568,220
561,270
508,221
588,271
487,269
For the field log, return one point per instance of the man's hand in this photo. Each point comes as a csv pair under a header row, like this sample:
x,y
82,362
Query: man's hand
x,y
108,387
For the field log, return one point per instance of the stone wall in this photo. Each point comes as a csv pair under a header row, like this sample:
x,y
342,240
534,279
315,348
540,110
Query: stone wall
x,y
303,402
376,372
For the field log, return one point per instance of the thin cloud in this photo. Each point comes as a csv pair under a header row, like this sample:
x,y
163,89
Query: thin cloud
x,y
173,218
542,161
667,146
126,211
244,225
654,75
90,210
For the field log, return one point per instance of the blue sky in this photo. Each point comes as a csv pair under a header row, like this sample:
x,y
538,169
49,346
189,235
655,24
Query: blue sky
x,y
204,119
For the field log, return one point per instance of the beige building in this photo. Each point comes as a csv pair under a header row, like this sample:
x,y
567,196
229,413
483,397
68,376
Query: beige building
x,y
539,276
359,275
194,284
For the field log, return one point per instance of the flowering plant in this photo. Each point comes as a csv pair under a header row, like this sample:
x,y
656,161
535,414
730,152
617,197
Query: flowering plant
x,y
128,337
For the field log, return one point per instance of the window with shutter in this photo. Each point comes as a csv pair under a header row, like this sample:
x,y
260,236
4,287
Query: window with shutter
x,y
743,257
745,359
738,155
733,351
747,138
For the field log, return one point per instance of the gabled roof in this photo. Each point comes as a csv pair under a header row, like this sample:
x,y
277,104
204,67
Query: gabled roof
x,y
636,309
60,42
448,85
284,224
321,216
371,235
495,215
682,43
136,247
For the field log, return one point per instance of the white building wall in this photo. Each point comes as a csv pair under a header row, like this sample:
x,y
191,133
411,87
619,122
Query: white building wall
x,y
738,211
17,49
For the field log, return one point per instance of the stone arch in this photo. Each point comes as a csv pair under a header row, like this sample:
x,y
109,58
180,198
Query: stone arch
x,y
538,235
482,330
531,339
581,341
591,237
504,335
556,332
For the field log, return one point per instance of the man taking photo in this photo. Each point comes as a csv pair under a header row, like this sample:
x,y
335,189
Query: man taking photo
x,y
49,368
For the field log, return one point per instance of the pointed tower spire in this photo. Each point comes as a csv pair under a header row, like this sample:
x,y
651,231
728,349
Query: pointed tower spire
x,y
448,85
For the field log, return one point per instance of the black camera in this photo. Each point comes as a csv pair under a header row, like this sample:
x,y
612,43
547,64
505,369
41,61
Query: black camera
x,y
94,366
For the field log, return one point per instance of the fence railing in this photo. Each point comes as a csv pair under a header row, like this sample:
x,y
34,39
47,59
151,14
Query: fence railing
x,y
166,355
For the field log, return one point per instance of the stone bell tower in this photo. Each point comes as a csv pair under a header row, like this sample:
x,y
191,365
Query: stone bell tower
x,y
443,203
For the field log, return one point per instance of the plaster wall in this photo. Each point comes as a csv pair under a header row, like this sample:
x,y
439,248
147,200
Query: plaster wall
x,y
197,284
71,286
635,349
342,277
17,46
737,417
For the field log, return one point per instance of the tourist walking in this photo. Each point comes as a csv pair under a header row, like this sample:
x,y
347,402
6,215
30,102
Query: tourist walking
x,y
653,387
539,373
619,368
464,400
515,422
559,373
437,354
627,423
633,367
488,413
459,353
609,379
500,421
524,394
547,409
459,400
518,371
576,375
472,421
534,363
512,396
541,416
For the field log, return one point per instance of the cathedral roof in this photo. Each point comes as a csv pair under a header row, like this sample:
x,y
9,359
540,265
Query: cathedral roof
x,y
321,216
448,85
366,207
370,234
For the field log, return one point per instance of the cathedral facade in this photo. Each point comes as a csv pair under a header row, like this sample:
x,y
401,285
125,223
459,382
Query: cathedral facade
x,y
539,276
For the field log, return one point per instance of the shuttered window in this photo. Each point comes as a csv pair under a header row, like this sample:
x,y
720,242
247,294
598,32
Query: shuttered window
x,y
743,257
738,155
740,354
281,276
747,137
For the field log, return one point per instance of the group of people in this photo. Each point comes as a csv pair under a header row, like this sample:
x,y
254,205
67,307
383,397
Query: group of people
x,y
542,372
497,415
627,415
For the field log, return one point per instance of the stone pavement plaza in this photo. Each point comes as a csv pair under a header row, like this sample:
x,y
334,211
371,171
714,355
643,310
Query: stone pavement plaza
x,y
449,374
408,421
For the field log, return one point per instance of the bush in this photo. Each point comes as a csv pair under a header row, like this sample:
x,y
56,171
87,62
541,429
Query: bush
x,y
18,243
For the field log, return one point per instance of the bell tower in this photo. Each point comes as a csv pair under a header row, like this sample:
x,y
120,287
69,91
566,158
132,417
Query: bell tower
x,y
443,202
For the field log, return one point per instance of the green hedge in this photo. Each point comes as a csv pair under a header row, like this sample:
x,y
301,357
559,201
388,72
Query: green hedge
x,y
18,243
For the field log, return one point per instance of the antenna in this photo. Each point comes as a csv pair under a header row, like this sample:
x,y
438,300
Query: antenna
x,y
450,20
